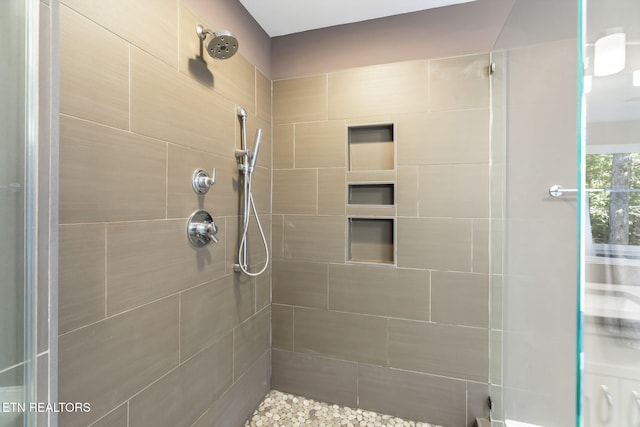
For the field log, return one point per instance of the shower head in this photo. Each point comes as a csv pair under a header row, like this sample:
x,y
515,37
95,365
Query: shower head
x,y
223,43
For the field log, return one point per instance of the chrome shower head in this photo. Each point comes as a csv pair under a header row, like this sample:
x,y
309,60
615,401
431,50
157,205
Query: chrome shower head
x,y
223,43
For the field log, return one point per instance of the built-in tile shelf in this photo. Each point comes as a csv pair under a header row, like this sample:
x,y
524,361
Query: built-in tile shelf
x,y
372,194
371,240
371,147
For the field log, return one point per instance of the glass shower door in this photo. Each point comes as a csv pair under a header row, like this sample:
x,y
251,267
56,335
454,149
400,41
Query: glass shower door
x,y
18,162
611,214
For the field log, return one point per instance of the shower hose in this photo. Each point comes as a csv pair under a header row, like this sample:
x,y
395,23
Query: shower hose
x,y
243,262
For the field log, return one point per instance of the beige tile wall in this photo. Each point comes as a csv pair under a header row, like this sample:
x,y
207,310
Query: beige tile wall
x,y
153,331
411,338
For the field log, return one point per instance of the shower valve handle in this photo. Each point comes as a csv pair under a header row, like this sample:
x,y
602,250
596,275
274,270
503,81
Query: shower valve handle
x,y
208,229
201,230
202,181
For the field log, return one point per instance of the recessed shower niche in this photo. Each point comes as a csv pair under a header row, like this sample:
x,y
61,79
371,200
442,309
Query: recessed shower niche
x,y
371,147
371,240
372,194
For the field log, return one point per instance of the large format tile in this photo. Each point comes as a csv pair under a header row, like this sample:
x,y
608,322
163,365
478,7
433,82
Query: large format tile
x,y
452,351
96,90
119,417
412,395
168,105
300,100
81,275
487,254
320,144
300,283
188,391
459,83
237,404
221,199
434,243
108,174
152,25
341,335
314,238
282,327
250,340
389,88
321,378
383,291
211,310
331,191
137,275
283,143
295,191
263,96
407,191
108,362
460,298
454,191
443,137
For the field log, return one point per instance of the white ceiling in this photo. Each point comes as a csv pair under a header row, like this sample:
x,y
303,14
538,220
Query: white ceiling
x,y
281,17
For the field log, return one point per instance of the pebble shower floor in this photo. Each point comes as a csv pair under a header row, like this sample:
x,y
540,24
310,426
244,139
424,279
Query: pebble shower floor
x,y
279,409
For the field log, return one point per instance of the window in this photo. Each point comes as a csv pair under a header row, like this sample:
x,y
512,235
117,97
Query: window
x,y
613,188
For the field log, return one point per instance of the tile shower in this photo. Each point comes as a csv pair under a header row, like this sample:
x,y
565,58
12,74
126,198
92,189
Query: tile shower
x,y
383,306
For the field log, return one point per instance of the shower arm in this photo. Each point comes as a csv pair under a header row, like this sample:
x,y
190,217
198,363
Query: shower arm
x,y
202,32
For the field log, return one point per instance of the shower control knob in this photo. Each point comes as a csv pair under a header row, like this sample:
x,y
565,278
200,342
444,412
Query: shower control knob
x,y
201,230
202,181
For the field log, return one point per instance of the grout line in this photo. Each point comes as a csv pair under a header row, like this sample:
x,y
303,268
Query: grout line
x,y
178,35
166,183
430,297
106,271
130,79
293,324
179,328
328,287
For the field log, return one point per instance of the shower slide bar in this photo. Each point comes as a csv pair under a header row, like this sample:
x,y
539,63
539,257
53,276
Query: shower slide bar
x,y
559,191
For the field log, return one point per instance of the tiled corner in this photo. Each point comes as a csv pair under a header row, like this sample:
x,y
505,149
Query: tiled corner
x,y
209,311
282,327
250,340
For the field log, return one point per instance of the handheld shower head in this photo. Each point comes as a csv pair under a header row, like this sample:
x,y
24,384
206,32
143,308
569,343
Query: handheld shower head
x,y
223,44
256,147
